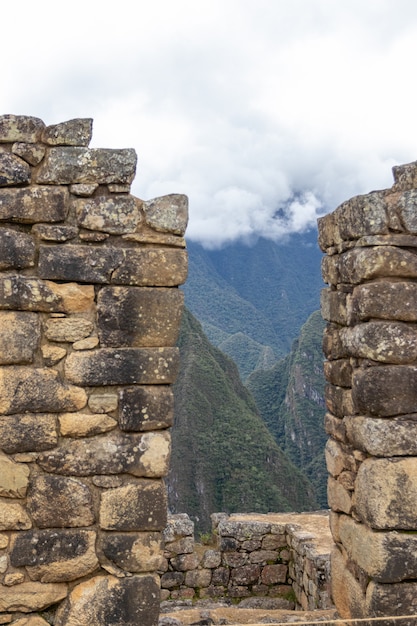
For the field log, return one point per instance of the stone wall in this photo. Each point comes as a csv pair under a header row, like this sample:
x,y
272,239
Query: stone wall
x,y
89,316
278,561
371,368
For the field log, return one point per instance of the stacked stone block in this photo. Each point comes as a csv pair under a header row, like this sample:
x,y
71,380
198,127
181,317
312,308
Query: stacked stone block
x,y
371,348
273,560
89,317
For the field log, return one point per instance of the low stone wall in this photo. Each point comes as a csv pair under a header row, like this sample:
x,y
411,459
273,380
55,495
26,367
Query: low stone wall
x,y
284,557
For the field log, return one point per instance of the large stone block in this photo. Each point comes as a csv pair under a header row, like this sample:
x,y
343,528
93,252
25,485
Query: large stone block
x,y
385,390
387,342
333,306
20,128
28,432
146,408
384,300
75,132
14,478
392,599
338,400
32,294
17,250
31,596
85,424
67,329
60,502
32,153
13,170
338,372
361,264
37,390
339,498
385,557
34,204
347,593
19,337
386,493
124,366
139,316
153,267
338,458
68,165
112,601
167,214
116,453
139,506
51,556
134,552
115,214
383,437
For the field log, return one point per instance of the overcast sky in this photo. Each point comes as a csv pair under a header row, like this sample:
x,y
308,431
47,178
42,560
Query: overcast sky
x,y
247,106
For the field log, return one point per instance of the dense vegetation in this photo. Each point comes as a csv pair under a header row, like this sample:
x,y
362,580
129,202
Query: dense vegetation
x,y
224,457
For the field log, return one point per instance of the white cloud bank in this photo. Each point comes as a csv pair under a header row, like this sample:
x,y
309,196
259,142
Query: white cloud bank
x,y
251,107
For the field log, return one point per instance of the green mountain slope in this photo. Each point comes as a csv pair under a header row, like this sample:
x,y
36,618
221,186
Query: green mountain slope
x,y
290,399
224,457
253,300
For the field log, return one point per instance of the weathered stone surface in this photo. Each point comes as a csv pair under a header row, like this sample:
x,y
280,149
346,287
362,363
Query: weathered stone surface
x,y
333,306
28,432
68,165
20,128
17,250
167,213
134,552
385,300
338,458
178,525
211,559
184,545
387,342
85,424
333,346
14,478
83,191
392,599
79,263
347,593
154,237
146,408
335,427
386,493
86,344
115,214
19,337
407,209
13,170
382,437
32,153
124,366
386,557
274,574
338,497
116,453
170,580
338,400
338,372
13,517
103,403
31,294
360,264
75,132
31,596
52,232
152,267
60,502
199,578
34,204
34,620
52,556
138,506
37,390
67,329
52,354
110,600
241,530
139,316
186,562
121,266
245,575
385,390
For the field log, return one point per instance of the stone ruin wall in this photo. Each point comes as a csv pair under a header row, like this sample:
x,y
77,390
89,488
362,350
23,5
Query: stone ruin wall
x,y
89,317
371,348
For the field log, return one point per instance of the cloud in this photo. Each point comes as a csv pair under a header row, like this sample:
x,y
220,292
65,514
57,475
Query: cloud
x,y
265,113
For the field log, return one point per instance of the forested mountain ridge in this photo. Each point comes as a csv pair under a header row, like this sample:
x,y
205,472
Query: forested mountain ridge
x,y
253,300
224,457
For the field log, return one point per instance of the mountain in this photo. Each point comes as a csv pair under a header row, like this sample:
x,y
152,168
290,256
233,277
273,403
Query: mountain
x,y
224,457
290,399
253,300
